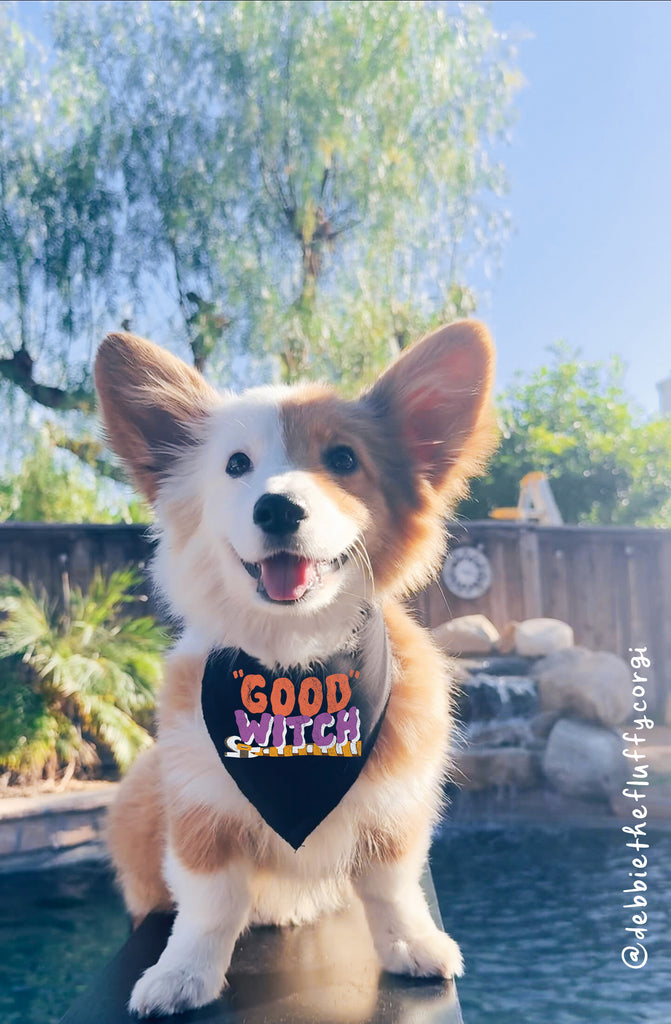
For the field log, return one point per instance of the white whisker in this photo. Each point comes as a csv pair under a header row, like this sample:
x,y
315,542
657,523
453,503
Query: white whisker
x,y
364,563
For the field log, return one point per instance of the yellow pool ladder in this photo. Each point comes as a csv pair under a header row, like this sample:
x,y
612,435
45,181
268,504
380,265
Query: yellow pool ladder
x,y
536,503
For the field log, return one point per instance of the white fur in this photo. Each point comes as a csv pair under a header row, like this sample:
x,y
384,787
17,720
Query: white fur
x,y
205,582
191,971
406,938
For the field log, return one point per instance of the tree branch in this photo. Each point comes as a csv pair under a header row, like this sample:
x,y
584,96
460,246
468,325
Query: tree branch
x,y
18,369
90,452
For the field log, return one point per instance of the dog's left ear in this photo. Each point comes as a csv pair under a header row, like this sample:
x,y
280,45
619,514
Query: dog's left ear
x,y
438,397
151,403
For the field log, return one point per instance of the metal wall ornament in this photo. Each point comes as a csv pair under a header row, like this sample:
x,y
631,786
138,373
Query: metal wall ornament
x,y
467,573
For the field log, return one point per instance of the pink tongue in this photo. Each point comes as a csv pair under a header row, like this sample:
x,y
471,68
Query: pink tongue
x,y
286,577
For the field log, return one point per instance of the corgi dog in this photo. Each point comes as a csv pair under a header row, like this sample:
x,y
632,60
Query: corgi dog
x,y
291,525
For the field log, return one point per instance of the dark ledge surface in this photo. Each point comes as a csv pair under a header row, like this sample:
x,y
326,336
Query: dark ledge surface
x,y
326,973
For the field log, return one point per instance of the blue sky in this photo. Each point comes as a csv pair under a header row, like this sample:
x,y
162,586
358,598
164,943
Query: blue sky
x,y
590,175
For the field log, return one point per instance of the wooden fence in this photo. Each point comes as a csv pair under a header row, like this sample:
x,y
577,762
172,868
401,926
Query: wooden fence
x,y
39,553
611,584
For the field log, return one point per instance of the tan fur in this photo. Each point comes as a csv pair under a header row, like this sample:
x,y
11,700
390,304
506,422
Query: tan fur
x,y
136,837
384,845
204,840
151,402
184,517
181,689
417,726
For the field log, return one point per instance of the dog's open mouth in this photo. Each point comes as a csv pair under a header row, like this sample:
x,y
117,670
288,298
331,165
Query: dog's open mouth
x,y
286,577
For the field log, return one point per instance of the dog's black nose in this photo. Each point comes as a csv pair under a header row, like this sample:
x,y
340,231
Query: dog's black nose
x,y
276,513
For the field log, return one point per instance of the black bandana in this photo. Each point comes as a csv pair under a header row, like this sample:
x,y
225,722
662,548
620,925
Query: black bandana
x,y
294,741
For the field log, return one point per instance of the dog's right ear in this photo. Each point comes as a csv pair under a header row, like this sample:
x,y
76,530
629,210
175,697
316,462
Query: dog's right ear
x,y
151,405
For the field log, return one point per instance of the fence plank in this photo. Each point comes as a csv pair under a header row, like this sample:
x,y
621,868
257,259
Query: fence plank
x,y
554,576
532,592
498,597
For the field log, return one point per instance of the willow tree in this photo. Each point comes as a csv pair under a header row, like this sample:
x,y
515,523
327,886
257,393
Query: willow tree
x,y
270,188
57,237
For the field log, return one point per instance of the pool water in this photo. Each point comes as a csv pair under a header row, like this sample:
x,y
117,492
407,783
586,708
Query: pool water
x,y
537,912
57,929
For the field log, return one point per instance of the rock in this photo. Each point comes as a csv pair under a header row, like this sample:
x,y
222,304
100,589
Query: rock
x,y
535,638
584,760
540,725
506,643
594,685
459,671
483,697
501,766
470,634
657,802
657,749
513,732
498,665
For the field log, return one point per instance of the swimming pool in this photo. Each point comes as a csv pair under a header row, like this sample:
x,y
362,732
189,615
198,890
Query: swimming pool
x,y
539,917
537,911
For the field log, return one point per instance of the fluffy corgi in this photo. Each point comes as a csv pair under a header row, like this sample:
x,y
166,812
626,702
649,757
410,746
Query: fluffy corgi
x,y
305,722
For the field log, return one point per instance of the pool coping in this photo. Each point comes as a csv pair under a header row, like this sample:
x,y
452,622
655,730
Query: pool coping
x,y
50,830
54,803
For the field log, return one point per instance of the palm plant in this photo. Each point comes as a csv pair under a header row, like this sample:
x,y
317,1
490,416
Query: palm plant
x,y
74,674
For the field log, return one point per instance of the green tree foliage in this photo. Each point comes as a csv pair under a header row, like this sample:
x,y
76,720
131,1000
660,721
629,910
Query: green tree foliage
x,y
56,224
270,188
573,421
52,486
76,675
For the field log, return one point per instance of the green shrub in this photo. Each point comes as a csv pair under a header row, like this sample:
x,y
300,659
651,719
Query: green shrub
x,y
53,486
75,675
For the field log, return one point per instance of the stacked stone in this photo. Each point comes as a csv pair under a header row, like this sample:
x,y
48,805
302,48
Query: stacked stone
x,y
537,711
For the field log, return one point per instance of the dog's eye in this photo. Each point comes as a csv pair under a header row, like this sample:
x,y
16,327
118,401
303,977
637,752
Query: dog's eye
x,y
238,464
341,459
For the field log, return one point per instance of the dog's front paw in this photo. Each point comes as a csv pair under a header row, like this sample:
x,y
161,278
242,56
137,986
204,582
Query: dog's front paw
x,y
433,955
166,990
